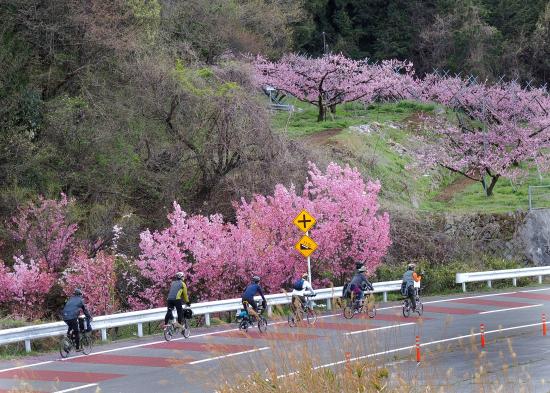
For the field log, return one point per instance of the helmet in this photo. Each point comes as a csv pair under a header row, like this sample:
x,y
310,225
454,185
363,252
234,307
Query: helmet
x,y
256,279
305,276
77,292
411,266
179,275
361,269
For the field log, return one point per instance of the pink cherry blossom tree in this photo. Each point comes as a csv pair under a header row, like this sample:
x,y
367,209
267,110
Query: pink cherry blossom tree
x,y
497,128
95,277
328,80
44,231
219,258
30,282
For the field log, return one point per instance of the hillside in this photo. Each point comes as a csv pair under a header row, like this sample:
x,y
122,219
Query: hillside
x,y
377,139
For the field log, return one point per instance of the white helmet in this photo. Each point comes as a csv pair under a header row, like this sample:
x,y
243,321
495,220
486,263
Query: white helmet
x,y
179,275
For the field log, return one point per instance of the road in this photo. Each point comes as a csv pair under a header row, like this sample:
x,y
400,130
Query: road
x,y
516,353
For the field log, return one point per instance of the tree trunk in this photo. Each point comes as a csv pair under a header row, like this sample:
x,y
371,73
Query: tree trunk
x,y
333,109
322,113
494,180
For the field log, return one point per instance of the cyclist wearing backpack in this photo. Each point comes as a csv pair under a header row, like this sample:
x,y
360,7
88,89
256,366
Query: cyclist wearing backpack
x,y
407,287
252,290
359,283
71,311
178,289
299,288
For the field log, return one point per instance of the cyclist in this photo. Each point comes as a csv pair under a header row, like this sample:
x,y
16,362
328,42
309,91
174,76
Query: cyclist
x,y
359,283
252,290
177,290
71,311
300,287
409,278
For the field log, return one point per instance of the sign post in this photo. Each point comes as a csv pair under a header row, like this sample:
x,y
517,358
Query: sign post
x,y
306,245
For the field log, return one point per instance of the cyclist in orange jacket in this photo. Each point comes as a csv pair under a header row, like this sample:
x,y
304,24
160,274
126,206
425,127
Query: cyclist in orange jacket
x,y
409,279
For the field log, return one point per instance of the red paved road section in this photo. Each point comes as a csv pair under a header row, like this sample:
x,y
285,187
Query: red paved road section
x,y
22,390
348,327
530,295
486,302
61,376
451,310
202,347
270,336
146,361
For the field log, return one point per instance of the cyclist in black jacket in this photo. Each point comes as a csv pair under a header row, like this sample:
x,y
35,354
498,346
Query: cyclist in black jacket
x,y
71,311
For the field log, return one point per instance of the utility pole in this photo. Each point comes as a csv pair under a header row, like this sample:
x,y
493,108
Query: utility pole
x,y
324,43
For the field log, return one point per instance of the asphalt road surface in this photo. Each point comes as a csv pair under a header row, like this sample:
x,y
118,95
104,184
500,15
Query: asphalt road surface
x,y
516,354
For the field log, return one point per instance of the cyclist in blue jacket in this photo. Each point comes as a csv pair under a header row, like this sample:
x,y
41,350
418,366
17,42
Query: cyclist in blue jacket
x,y
252,290
71,311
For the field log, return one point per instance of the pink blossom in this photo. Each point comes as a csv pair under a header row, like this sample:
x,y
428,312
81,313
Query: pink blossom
x,y
95,277
44,230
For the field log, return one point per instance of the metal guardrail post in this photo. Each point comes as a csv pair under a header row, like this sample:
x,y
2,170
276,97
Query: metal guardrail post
x,y
28,346
515,282
463,287
385,297
270,311
489,284
329,304
207,319
140,329
103,334
540,279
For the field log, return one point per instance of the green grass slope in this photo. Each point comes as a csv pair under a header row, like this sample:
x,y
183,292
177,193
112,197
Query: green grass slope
x,y
377,139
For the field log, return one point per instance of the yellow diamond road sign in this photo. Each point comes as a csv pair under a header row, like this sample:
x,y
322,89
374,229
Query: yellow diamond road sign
x,y
306,246
304,221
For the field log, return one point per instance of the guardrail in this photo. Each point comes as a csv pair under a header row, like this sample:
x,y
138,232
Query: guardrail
x,y
514,274
104,322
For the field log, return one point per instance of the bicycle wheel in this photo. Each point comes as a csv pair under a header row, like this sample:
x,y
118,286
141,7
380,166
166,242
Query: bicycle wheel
x,y
371,311
311,316
243,325
65,346
86,342
185,330
348,312
406,309
291,320
168,332
262,324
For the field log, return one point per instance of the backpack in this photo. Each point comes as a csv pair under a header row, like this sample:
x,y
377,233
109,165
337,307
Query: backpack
x,y
346,290
404,290
299,284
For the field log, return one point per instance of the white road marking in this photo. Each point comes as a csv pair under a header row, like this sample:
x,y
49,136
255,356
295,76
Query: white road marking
x,y
77,388
510,309
536,290
228,356
380,328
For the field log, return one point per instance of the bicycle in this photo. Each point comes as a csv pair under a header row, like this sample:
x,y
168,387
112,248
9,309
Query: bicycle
x,y
246,320
359,305
68,341
297,315
171,329
407,306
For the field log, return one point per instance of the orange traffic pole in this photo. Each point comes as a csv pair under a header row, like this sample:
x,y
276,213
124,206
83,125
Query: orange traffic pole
x,y
482,330
348,362
544,324
418,349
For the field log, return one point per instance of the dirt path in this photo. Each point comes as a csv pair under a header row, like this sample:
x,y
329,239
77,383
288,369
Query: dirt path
x,y
452,189
323,137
